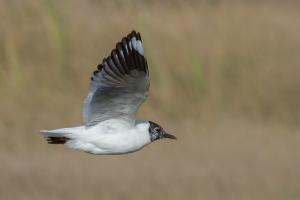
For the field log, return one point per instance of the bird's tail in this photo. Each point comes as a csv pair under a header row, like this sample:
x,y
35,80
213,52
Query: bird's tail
x,y
59,136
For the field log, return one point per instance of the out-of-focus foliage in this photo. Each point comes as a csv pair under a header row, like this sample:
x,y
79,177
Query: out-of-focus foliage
x,y
224,79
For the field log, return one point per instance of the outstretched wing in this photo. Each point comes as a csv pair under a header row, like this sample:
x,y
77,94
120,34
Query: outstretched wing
x,y
120,84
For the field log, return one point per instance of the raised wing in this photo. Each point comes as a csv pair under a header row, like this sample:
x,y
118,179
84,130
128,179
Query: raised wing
x,y
120,84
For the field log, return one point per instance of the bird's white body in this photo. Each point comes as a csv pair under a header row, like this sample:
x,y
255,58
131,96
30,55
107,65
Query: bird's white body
x,y
117,89
114,136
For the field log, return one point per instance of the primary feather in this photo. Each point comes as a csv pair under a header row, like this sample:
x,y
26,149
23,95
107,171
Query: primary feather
x,y
121,83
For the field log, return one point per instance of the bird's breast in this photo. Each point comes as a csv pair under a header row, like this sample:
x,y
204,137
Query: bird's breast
x,y
119,142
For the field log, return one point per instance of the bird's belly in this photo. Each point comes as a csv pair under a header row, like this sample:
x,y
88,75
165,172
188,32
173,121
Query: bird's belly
x,y
116,143
119,145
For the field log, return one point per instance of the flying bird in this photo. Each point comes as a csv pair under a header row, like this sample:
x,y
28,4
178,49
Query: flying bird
x,y
117,89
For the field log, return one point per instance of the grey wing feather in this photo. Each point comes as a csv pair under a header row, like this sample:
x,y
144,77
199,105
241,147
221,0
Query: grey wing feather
x,y
121,83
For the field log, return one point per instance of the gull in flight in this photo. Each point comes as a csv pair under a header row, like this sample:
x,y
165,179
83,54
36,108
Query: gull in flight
x,y
117,89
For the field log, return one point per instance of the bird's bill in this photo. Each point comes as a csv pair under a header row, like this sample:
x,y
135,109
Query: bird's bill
x,y
167,135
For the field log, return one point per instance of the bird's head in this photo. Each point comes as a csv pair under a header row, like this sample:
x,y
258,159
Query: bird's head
x,y
157,132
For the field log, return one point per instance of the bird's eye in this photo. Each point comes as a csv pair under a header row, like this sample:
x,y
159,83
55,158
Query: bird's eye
x,y
156,129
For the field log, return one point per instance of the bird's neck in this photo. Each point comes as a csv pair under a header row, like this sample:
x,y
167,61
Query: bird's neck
x,y
142,125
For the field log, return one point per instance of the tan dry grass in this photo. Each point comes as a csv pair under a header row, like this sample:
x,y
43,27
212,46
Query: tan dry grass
x,y
233,160
225,80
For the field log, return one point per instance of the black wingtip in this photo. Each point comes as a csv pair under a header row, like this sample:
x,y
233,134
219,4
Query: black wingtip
x,y
138,36
133,32
96,72
125,57
100,66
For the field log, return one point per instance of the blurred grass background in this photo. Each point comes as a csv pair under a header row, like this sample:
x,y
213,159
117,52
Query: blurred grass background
x,y
224,79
